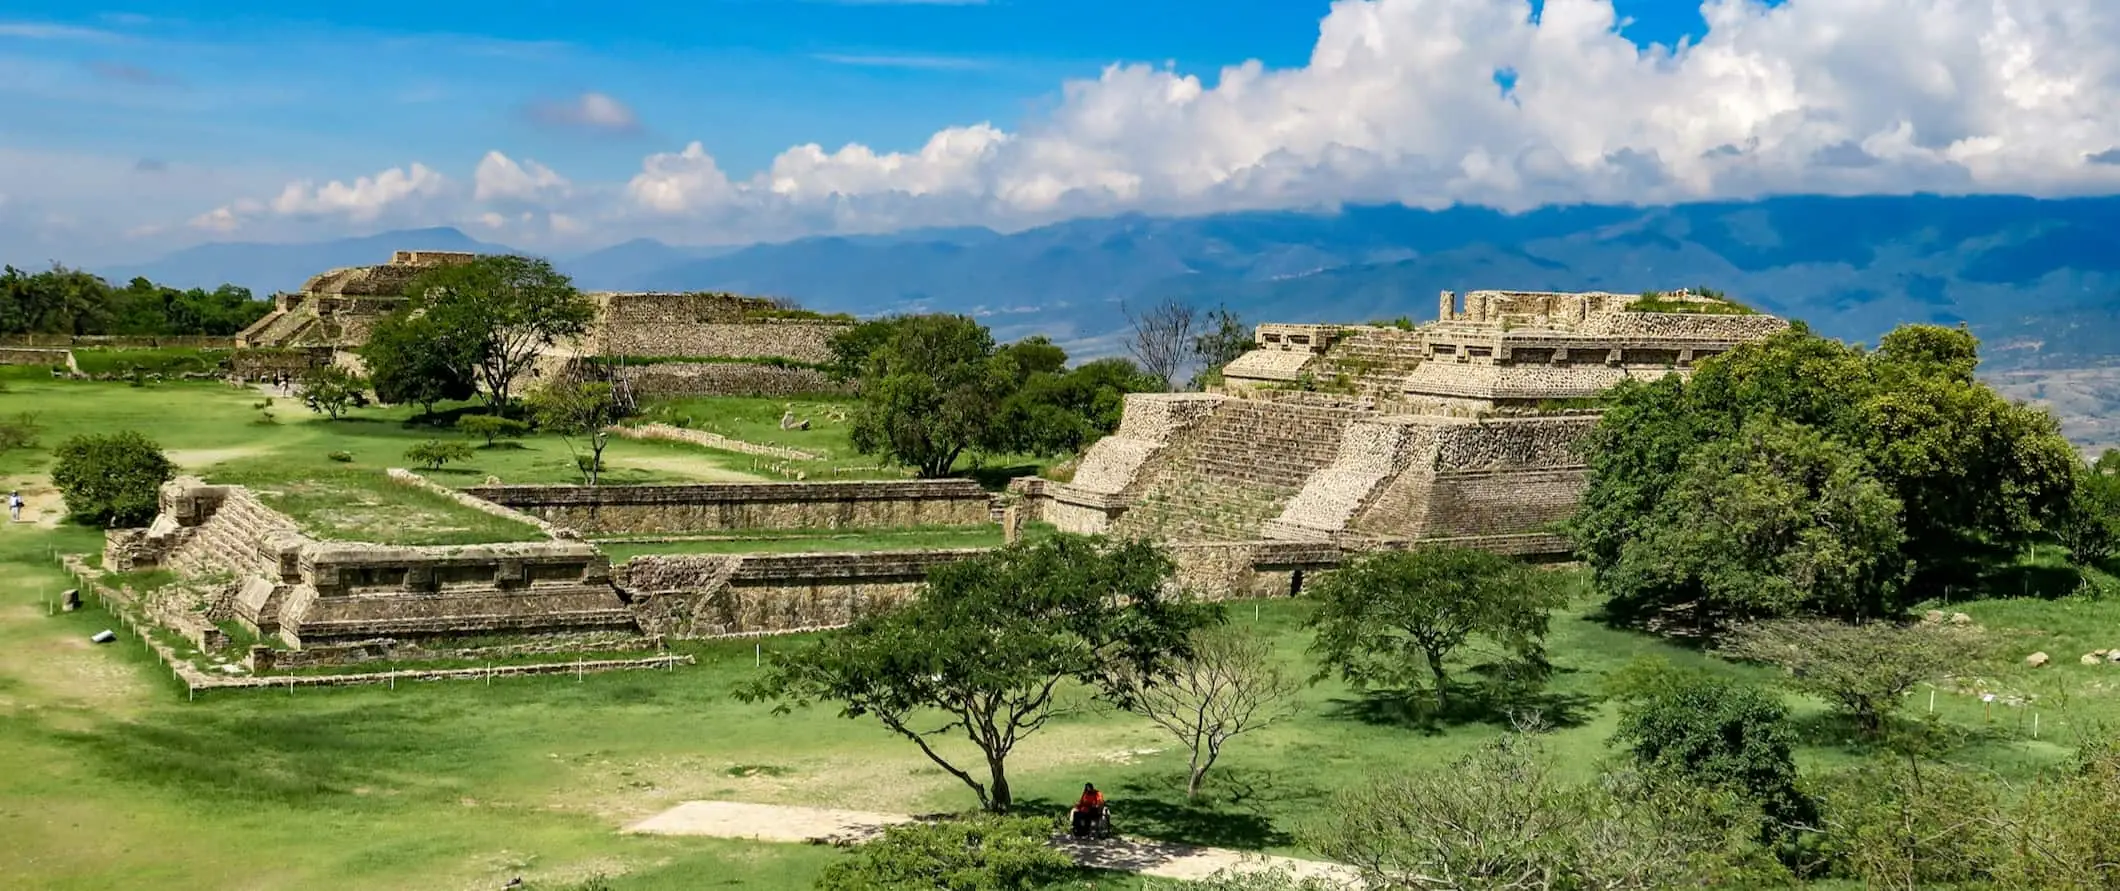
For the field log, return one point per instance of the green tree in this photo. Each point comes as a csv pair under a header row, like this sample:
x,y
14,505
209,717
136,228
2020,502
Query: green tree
x,y
1062,413
2089,527
1774,520
434,453
331,390
491,428
1229,684
929,391
1865,670
412,360
984,649
1702,729
1975,477
111,479
980,854
511,308
1394,619
582,410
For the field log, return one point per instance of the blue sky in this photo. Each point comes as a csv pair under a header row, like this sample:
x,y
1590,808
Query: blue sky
x,y
137,129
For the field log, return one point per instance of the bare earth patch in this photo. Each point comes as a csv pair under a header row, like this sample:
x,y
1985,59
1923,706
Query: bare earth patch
x,y
199,459
42,505
704,469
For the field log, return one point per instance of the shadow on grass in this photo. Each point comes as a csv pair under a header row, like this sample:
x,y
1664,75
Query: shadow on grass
x,y
1497,705
1230,812
997,478
1836,730
2031,580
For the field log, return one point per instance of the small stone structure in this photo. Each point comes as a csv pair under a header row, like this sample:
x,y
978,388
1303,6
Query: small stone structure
x,y
767,347
1464,430
713,507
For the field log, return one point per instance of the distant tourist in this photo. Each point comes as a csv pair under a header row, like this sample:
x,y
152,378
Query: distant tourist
x,y
14,506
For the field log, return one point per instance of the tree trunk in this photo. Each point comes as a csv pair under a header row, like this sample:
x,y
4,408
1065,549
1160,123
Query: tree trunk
x,y
597,440
1442,680
998,797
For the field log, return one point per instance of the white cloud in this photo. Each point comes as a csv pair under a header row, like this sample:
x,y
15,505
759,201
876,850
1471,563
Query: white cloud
x,y
365,199
500,178
588,111
50,31
1399,101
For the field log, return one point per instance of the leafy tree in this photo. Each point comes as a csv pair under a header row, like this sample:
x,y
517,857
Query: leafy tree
x,y
111,479
980,854
2089,527
1907,823
331,390
1161,338
929,391
491,428
1034,355
983,651
1701,729
1223,337
511,308
72,301
1228,685
1393,619
434,453
1774,520
412,360
1865,670
1974,475
1062,413
579,409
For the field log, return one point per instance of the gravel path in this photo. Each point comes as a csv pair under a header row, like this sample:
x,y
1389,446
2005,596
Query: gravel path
x,y
785,823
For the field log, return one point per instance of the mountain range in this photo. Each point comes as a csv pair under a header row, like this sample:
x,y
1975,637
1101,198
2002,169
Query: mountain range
x,y
2038,279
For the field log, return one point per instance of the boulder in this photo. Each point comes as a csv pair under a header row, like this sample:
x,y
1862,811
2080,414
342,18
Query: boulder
x,y
2113,657
2038,660
1961,619
2091,659
1933,617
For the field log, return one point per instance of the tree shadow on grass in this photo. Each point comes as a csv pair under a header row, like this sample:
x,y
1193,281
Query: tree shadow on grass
x,y
2029,580
1838,730
997,478
1498,705
1230,812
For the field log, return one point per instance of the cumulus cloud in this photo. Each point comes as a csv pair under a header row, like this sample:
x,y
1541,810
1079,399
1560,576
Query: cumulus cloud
x,y
588,111
1433,102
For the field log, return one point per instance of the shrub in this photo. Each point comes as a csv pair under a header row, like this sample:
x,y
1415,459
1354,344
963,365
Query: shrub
x,y
331,390
985,854
341,457
434,453
19,432
1711,731
491,427
111,479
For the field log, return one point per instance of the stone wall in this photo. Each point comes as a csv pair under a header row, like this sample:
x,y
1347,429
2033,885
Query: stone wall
x,y
706,325
679,379
1692,326
744,594
709,507
58,358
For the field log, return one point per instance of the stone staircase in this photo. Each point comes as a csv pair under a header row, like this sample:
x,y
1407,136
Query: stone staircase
x,y
1237,471
1371,453
242,537
1377,360
279,328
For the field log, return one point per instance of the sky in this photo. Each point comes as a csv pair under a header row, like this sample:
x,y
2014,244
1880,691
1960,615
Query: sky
x,y
127,132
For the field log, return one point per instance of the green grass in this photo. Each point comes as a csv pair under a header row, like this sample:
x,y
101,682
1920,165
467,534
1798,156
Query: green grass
x,y
758,420
362,504
167,361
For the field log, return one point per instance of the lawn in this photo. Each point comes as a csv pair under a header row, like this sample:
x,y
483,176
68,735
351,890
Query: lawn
x,y
758,420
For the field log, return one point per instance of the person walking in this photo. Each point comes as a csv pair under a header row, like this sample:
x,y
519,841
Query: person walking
x,y
14,506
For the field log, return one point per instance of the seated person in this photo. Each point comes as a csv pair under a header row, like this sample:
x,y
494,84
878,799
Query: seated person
x,y
1088,809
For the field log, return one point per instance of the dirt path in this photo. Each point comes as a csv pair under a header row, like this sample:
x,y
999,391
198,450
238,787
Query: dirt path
x,y
783,823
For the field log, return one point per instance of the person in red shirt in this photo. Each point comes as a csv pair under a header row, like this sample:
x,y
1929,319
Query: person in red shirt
x,y
1088,809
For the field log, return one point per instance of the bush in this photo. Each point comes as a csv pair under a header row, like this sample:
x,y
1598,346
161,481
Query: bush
x,y
111,479
491,427
984,854
1711,731
331,390
341,457
19,432
434,453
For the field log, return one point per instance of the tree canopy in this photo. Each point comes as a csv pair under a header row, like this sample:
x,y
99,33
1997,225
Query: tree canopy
x,y
983,651
72,301
413,360
505,309
111,479
1800,474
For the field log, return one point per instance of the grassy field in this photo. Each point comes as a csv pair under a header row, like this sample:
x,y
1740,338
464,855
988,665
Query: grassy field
x,y
109,777
807,540
758,420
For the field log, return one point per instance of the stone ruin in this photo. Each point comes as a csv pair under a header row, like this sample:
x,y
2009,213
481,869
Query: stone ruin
x,y
333,312
1464,430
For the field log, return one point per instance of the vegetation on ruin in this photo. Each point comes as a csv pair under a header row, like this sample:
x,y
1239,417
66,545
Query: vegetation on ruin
x,y
1802,475
73,301
767,361
497,312
1709,302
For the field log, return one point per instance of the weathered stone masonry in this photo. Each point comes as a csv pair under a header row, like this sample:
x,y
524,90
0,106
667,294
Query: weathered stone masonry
x,y
711,507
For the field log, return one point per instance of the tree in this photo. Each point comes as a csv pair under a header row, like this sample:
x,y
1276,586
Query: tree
x,y
930,389
978,854
1060,413
1228,685
434,453
1702,729
1389,618
1865,670
1222,339
1775,520
582,409
331,390
1162,338
491,428
987,644
412,360
1975,476
2089,527
112,479
1903,823
511,308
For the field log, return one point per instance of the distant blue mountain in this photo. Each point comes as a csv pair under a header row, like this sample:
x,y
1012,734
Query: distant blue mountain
x,y
2010,267
268,268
